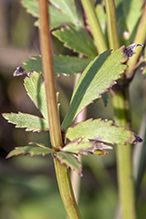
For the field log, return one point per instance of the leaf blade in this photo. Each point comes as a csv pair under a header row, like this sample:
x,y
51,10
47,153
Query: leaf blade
x,y
78,146
32,150
36,91
68,9
24,120
98,76
76,39
101,131
66,14
69,160
62,64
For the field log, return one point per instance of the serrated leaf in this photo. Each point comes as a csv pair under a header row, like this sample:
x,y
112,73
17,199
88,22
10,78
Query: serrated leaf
x,y
99,75
39,145
69,160
62,64
76,39
31,6
33,64
32,150
36,91
78,146
63,15
102,131
58,18
69,10
24,120
69,65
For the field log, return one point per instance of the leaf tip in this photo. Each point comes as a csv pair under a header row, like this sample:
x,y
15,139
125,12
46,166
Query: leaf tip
x,y
137,139
128,51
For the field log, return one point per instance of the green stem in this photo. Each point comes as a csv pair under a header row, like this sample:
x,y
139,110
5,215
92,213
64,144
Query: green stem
x,y
121,102
47,62
64,183
62,174
112,24
95,26
139,38
120,98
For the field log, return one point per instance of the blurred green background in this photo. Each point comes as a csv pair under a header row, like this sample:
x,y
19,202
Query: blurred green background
x,y
28,187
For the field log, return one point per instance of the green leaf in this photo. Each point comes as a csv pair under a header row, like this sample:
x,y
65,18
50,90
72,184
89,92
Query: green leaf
x,y
62,64
77,39
31,6
132,11
68,9
36,91
78,146
32,150
102,131
99,75
105,98
66,14
69,65
58,18
30,122
33,64
69,160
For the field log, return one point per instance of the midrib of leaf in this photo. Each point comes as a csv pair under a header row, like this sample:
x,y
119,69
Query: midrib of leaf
x,y
95,80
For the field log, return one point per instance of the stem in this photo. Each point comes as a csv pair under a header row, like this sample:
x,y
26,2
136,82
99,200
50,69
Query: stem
x,y
139,38
120,100
47,61
62,174
95,26
121,104
66,191
112,24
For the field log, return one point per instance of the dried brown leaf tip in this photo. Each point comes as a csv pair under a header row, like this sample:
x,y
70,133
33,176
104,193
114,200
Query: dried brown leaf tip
x,y
137,139
129,49
21,71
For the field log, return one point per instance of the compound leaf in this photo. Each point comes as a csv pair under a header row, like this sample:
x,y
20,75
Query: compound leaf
x,y
36,91
31,6
67,7
24,120
62,12
76,39
32,150
98,76
78,146
101,131
69,160
62,64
